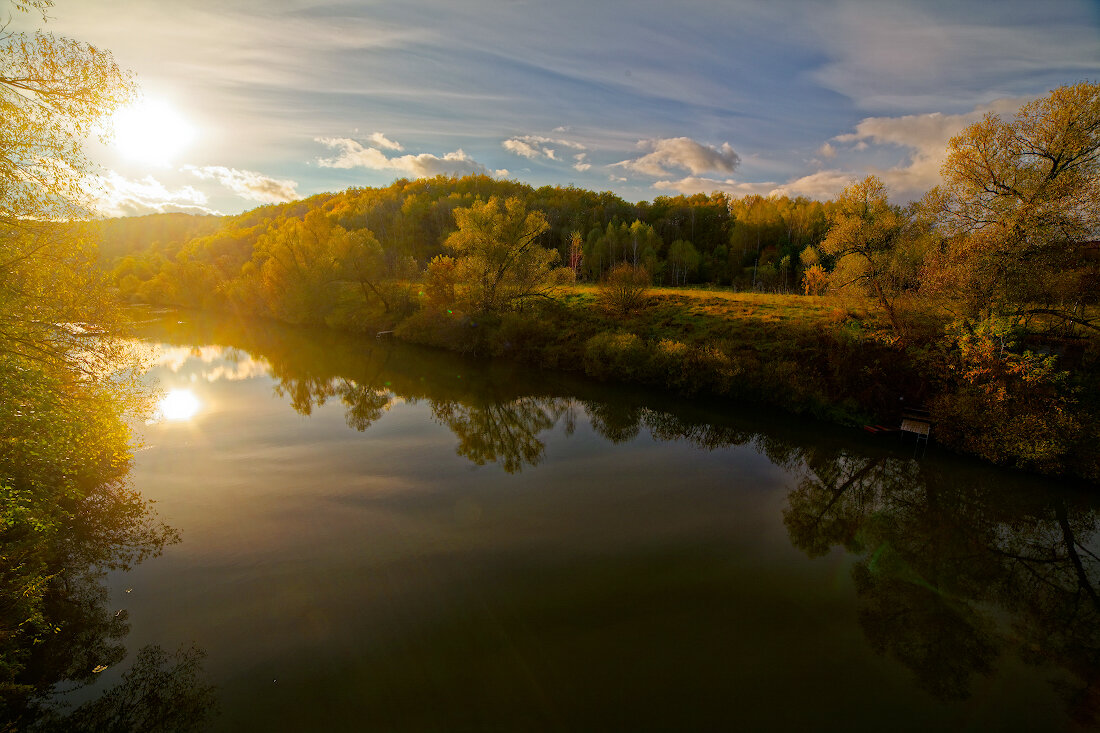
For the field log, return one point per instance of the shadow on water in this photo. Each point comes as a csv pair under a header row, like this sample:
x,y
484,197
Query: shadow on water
x,y
958,565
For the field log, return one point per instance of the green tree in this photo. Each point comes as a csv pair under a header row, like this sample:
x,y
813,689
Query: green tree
x,y
499,257
683,261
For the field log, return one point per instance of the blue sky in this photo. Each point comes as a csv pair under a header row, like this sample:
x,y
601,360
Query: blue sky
x,y
286,98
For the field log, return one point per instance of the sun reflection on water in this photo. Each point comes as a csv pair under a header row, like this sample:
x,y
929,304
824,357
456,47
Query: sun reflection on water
x,y
179,404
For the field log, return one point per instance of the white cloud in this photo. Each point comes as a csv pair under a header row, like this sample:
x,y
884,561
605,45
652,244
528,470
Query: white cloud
x,y
520,147
827,151
822,185
682,153
352,154
924,136
116,195
535,146
248,184
384,142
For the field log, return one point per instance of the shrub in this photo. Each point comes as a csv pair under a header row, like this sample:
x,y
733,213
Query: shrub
x,y
625,289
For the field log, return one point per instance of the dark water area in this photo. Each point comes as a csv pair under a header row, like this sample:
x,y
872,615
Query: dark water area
x,y
378,537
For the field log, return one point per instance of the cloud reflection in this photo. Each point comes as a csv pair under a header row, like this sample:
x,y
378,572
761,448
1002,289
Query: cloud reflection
x,y
211,363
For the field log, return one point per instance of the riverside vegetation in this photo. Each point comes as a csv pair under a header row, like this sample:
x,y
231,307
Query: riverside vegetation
x,y
979,301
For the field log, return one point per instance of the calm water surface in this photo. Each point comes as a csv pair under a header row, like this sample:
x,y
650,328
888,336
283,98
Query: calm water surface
x,y
377,537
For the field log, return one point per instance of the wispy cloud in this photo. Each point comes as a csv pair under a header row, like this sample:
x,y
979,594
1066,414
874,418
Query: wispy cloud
x,y
353,154
681,153
262,79
248,184
699,184
116,195
961,50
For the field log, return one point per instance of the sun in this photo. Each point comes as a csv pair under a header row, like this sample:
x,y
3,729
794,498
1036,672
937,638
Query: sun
x,y
179,404
152,131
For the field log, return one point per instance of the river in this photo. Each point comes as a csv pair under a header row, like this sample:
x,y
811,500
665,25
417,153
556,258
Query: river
x,y
378,537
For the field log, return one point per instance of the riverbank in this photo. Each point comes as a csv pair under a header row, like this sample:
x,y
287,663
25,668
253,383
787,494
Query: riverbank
x,y
804,355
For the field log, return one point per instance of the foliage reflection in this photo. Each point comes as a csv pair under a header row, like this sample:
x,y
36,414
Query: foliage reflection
x,y
957,564
68,515
955,571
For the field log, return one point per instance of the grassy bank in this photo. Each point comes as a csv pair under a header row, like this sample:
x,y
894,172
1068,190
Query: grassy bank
x,y
801,354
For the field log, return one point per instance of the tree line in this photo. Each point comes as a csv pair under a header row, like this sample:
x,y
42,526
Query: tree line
x,y
751,243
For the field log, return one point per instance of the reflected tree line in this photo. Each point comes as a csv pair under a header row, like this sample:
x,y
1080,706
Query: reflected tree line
x,y
958,564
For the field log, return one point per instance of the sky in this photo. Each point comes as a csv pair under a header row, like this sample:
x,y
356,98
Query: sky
x,y
249,102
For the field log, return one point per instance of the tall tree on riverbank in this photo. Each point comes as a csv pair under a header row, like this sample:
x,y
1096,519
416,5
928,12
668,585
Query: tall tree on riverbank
x,y
1020,209
868,239
67,513
54,93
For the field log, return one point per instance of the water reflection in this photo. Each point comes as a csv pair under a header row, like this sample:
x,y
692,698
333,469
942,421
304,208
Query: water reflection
x,y
74,634
956,571
958,566
178,405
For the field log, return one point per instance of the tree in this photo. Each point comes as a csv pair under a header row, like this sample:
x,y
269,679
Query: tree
x,y
1018,206
576,252
297,266
683,261
66,378
499,258
866,236
1018,201
54,93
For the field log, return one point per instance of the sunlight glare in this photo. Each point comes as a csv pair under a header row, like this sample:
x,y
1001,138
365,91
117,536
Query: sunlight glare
x,y
152,131
179,404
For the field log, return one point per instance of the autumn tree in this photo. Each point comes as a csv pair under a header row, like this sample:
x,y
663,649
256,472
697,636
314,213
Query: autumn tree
x,y
362,261
867,240
1019,203
54,93
499,258
67,513
576,252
